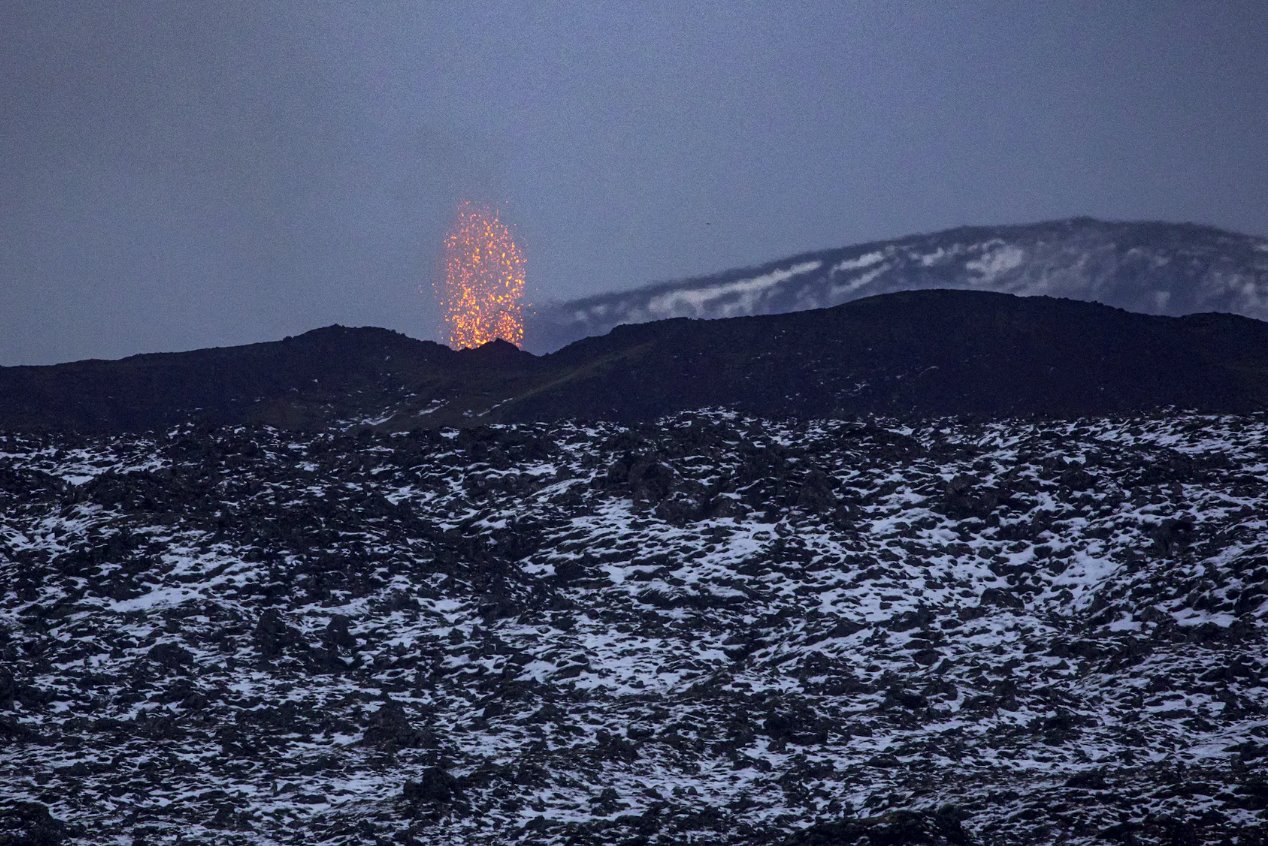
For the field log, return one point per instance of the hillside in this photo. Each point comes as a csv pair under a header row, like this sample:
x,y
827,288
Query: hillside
x,y
917,353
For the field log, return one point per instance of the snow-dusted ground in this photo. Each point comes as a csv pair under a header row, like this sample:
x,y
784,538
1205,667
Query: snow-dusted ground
x,y
709,630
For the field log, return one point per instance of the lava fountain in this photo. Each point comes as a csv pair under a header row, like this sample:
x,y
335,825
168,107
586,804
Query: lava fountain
x,y
483,289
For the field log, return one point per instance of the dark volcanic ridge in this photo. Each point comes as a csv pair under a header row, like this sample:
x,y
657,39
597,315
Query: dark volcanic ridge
x,y
916,353
713,629
1148,267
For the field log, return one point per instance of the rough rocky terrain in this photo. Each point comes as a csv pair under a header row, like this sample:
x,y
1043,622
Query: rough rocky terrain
x,y
708,629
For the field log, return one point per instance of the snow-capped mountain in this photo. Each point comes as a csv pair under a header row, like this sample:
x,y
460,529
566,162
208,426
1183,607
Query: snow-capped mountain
x,y
712,629
1152,268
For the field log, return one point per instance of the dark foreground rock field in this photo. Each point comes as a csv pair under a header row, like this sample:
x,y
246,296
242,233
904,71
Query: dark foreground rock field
x,y
712,629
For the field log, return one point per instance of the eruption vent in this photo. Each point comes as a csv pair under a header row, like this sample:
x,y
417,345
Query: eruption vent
x,y
483,288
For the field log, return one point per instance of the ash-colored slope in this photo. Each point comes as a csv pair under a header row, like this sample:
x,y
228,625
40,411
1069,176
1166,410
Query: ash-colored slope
x,y
708,630
1151,268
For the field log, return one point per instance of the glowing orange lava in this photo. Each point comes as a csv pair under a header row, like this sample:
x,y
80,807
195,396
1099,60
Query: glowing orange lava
x,y
482,292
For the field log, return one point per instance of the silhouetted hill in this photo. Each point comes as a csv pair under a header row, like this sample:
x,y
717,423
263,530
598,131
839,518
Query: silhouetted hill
x,y
918,352
308,380
923,353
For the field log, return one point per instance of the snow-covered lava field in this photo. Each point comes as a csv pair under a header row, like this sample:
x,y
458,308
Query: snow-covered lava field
x,y
710,630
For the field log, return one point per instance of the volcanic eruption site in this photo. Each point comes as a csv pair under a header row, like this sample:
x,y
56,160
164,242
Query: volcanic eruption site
x,y
481,294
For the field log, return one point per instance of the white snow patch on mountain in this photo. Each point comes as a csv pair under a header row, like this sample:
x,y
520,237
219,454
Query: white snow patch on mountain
x,y
865,260
694,302
1000,259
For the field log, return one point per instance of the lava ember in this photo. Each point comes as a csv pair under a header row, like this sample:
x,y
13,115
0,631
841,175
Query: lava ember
x,y
482,292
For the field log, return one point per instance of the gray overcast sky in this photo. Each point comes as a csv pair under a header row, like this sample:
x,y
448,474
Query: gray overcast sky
x,y
183,174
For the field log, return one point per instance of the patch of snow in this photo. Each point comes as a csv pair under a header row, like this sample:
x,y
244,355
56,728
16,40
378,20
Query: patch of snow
x,y
692,302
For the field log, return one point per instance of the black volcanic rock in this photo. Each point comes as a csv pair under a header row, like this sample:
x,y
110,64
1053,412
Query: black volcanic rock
x,y
899,829
918,353
496,353
991,632
390,728
29,824
434,787
291,382
915,353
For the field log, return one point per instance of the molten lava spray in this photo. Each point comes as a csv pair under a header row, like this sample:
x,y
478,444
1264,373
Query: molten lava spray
x,y
482,291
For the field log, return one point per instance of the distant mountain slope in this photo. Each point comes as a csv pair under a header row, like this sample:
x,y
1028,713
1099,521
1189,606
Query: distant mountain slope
x,y
1152,268
921,353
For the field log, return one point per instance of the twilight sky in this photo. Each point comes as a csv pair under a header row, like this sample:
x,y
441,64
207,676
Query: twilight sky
x,y
184,174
